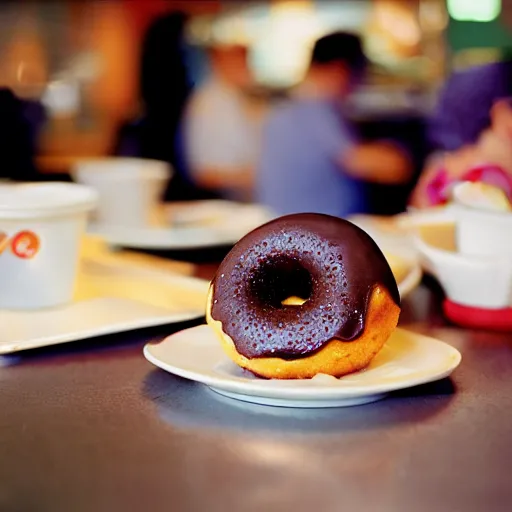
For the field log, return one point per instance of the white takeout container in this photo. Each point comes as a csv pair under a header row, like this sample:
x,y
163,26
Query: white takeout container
x,y
129,188
41,225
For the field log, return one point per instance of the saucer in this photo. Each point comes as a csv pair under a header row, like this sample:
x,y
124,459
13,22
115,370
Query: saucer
x,y
188,226
163,239
408,359
479,318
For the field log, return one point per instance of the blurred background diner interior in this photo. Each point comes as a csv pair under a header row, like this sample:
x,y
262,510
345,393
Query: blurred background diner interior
x,y
116,77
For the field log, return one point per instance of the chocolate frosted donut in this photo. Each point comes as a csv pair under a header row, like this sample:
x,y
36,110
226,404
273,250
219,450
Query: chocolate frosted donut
x,y
330,263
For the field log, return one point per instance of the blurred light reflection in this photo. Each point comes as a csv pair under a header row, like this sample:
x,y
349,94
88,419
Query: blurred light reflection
x,y
474,10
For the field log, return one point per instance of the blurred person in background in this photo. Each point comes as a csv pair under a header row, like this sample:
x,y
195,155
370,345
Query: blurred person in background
x,y
20,122
165,86
221,129
312,160
462,125
465,103
487,160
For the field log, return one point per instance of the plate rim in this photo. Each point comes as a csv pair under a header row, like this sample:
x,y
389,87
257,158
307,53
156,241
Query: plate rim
x,y
126,237
317,403
335,392
208,236
413,277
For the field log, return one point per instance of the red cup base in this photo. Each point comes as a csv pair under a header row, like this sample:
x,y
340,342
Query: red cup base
x,y
479,318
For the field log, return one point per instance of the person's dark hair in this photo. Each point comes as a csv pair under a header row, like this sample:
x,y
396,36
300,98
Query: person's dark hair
x,y
17,138
165,86
342,47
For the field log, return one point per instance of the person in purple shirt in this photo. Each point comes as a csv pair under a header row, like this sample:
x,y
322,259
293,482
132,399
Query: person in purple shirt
x,y
466,100
463,114
465,103
312,160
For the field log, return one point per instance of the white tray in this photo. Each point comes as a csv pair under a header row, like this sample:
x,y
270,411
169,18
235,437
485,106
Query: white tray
x,y
110,298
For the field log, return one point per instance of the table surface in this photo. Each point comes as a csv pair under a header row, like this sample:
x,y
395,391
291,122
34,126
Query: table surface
x,y
92,426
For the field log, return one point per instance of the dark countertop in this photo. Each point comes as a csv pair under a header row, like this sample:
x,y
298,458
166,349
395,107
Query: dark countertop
x,y
92,426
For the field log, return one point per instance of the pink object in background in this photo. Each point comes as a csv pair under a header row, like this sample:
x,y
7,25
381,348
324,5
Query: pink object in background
x,y
439,189
491,175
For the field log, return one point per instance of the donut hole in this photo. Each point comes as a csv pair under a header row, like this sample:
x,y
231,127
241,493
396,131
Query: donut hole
x,y
293,301
282,282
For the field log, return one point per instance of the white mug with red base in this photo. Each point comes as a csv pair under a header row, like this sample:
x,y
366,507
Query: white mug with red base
x,y
40,229
478,287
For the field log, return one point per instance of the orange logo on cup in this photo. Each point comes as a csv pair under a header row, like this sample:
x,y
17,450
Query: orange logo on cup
x,y
4,241
25,245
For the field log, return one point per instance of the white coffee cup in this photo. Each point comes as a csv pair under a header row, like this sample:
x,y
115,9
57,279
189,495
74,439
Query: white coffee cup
x,y
40,229
129,188
483,233
481,229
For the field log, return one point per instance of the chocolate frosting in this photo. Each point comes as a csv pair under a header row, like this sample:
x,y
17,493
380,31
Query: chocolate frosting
x,y
328,261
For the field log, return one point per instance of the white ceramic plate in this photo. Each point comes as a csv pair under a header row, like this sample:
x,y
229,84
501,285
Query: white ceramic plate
x,y
387,233
164,239
215,213
407,360
407,271
192,225
395,234
414,218
109,299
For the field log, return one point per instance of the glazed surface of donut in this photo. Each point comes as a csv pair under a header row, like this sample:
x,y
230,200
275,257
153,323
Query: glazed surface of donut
x,y
329,262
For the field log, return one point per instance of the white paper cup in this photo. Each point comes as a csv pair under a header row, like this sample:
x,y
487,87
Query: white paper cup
x,y
40,229
129,188
482,223
482,233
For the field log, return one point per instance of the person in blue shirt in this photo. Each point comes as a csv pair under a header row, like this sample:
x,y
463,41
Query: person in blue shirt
x,y
312,160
